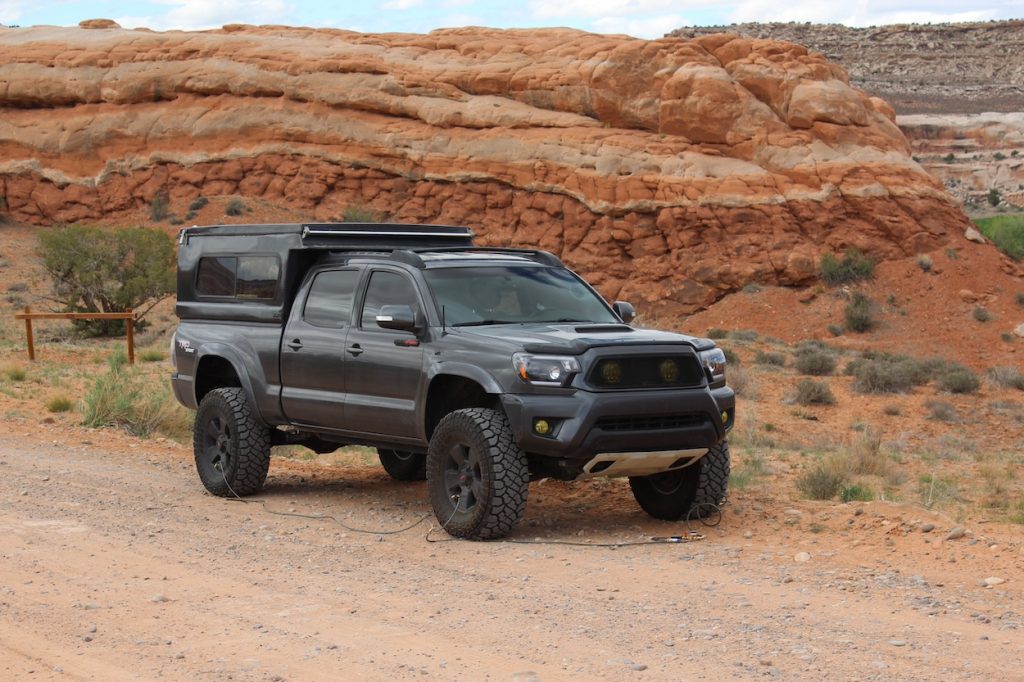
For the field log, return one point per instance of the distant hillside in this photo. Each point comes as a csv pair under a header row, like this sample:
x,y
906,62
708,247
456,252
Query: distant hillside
x,y
933,68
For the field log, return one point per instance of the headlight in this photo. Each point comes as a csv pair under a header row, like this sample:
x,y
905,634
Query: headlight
x,y
714,365
545,370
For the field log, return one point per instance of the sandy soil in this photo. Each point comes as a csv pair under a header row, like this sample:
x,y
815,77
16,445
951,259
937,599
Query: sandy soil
x,y
117,565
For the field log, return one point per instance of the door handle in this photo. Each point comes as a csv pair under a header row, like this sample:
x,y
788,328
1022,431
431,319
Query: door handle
x,y
295,344
354,349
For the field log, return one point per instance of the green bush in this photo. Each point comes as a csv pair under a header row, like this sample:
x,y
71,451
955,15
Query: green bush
x,y
15,373
810,392
856,493
236,207
770,358
994,197
125,398
981,314
716,333
815,362
359,214
834,330
152,355
59,404
98,270
198,204
1020,298
160,207
743,335
1006,232
822,481
852,267
859,313
941,411
958,380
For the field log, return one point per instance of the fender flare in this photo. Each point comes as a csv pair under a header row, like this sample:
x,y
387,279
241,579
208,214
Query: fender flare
x,y
234,358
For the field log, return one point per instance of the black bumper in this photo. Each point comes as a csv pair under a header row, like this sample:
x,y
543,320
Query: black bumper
x,y
587,423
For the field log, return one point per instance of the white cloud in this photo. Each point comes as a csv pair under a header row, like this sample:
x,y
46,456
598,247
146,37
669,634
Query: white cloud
x,y
400,4
862,12
202,14
640,27
11,11
550,9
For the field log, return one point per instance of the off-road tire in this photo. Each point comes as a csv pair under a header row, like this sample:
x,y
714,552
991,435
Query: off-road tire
x,y
485,497
231,444
687,493
402,465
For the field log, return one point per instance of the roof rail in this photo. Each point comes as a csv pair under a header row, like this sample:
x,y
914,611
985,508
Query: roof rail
x,y
544,257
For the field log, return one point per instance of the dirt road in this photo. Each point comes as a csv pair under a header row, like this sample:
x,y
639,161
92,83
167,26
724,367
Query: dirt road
x,y
114,564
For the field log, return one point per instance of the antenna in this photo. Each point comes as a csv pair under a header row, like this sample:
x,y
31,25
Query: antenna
x,y
443,330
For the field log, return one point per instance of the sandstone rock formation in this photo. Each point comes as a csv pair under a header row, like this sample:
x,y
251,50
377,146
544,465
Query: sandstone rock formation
x,y
668,171
918,68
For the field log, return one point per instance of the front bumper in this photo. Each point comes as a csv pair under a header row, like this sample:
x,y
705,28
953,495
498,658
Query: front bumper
x,y
586,424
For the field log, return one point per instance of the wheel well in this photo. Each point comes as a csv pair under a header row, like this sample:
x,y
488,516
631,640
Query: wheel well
x,y
448,393
214,372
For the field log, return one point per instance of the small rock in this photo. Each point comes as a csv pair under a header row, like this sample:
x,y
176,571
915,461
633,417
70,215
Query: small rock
x,y
858,511
158,599
747,534
1019,330
801,557
971,234
983,638
992,581
897,642
87,638
955,534
637,667
91,629
24,493
793,512
765,661
927,528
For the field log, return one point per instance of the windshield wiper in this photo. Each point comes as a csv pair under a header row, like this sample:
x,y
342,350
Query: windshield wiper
x,y
479,323
561,319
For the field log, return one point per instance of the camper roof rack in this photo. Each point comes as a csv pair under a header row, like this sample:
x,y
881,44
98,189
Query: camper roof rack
x,y
373,236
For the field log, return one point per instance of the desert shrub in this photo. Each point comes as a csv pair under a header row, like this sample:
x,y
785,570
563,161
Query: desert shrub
x,y
17,287
1006,232
865,456
1020,298
152,355
160,207
15,373
852,267
999,156
815,362
924,261
1006,376
716,333
892,409
881,375
981,314
859,313
125,398
743,335
235,207
822,481
958,380
834,330
730,355
770,358
941,411
936,491
856,493
360,214
994,196
59,403
949,158
811,392
747,470
96,270
742,382
198,204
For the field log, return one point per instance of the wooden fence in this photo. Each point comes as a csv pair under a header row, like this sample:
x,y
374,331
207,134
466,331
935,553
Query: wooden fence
x,y
28,316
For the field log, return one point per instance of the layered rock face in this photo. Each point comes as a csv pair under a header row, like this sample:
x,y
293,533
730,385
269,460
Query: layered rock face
x,y
668,171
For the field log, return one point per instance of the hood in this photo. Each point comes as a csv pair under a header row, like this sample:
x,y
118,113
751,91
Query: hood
x,y
575,339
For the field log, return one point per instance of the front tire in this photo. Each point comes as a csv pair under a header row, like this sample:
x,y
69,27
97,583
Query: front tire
x,y
477,476
402,465
686,493
230,443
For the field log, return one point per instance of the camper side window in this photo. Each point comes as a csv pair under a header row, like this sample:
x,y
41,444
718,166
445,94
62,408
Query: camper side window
x,y
248,277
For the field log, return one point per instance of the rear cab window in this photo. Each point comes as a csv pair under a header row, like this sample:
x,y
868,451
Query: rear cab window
x,y
329,303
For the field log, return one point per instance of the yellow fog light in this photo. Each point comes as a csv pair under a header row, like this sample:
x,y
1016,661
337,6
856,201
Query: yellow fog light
x,y
542,427
725,417
611,372
669,371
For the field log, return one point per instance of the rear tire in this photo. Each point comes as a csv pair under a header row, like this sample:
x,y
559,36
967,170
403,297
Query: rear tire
x,y
231,445
402,465
690,493
477,476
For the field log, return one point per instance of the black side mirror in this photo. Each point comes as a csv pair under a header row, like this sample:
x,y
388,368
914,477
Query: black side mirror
x,y
398,317
625,311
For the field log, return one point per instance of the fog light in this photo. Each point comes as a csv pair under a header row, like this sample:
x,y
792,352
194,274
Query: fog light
x,y
611,372
542,427
725,417
669,371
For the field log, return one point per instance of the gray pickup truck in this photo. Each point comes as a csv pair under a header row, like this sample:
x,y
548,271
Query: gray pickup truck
x,y
475,368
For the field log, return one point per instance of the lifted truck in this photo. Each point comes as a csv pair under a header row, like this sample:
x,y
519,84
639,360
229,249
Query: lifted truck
x,y
475,368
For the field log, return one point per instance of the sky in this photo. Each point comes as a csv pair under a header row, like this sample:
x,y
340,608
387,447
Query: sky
x,y
640,18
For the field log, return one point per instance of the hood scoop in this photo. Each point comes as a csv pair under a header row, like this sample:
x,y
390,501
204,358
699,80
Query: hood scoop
x,y
603,329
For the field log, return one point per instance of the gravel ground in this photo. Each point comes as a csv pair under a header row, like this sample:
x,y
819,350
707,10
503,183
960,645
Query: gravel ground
x,y
116,565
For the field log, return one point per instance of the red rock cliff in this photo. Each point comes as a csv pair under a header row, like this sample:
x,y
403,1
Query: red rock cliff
x,y
668,171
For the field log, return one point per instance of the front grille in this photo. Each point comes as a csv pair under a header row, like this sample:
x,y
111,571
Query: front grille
x,y
668,421
647,371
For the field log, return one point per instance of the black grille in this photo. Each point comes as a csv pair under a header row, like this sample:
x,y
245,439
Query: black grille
x,y
647,371
667,421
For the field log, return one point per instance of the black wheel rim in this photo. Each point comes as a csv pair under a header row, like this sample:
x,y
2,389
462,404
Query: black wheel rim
x,y
463,481
217,445
669,482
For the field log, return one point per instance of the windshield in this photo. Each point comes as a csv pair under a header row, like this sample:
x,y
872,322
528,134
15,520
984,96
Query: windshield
x,y
513,294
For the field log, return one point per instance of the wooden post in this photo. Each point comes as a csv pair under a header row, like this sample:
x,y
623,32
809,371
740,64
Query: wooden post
x,y
28,335
130,322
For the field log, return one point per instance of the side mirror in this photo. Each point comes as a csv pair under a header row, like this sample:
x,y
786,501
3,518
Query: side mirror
x,y
625,311
398,317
